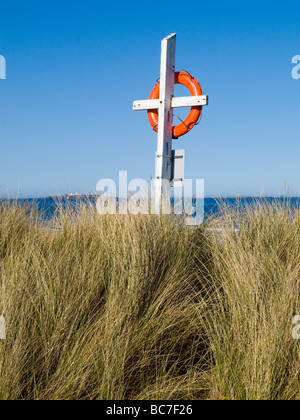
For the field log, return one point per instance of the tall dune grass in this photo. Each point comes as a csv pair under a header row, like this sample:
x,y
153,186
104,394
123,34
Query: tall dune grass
x,y
136,307
256,274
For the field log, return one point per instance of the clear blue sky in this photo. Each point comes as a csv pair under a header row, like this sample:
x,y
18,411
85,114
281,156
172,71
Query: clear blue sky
x,y
74,68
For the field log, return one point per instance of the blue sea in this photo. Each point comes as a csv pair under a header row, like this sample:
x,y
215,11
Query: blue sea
x,y
48,206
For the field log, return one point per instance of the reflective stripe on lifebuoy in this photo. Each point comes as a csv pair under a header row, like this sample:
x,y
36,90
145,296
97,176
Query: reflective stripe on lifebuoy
x,y
181,78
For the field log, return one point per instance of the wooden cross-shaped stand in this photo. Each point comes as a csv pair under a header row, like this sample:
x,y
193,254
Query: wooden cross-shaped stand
x,y
165,105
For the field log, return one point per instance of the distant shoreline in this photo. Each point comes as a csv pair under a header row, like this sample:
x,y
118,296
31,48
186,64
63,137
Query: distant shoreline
x,y
95,196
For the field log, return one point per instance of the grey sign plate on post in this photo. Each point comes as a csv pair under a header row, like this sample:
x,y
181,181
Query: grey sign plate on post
x,y
177,169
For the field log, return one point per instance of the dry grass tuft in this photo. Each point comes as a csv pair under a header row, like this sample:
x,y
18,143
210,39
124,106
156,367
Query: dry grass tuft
x,y
134,307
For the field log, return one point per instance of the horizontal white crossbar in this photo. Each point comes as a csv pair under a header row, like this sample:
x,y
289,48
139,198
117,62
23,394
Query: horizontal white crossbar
x,y
189,101
147,104
184,101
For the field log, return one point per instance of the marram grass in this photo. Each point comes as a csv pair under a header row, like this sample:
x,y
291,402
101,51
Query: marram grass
x,y
137,307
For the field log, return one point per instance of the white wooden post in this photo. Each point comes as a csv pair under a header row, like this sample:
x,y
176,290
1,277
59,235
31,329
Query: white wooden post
x,y
165,122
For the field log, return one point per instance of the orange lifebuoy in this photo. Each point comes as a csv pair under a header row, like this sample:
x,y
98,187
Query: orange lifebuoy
x,y
184,127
